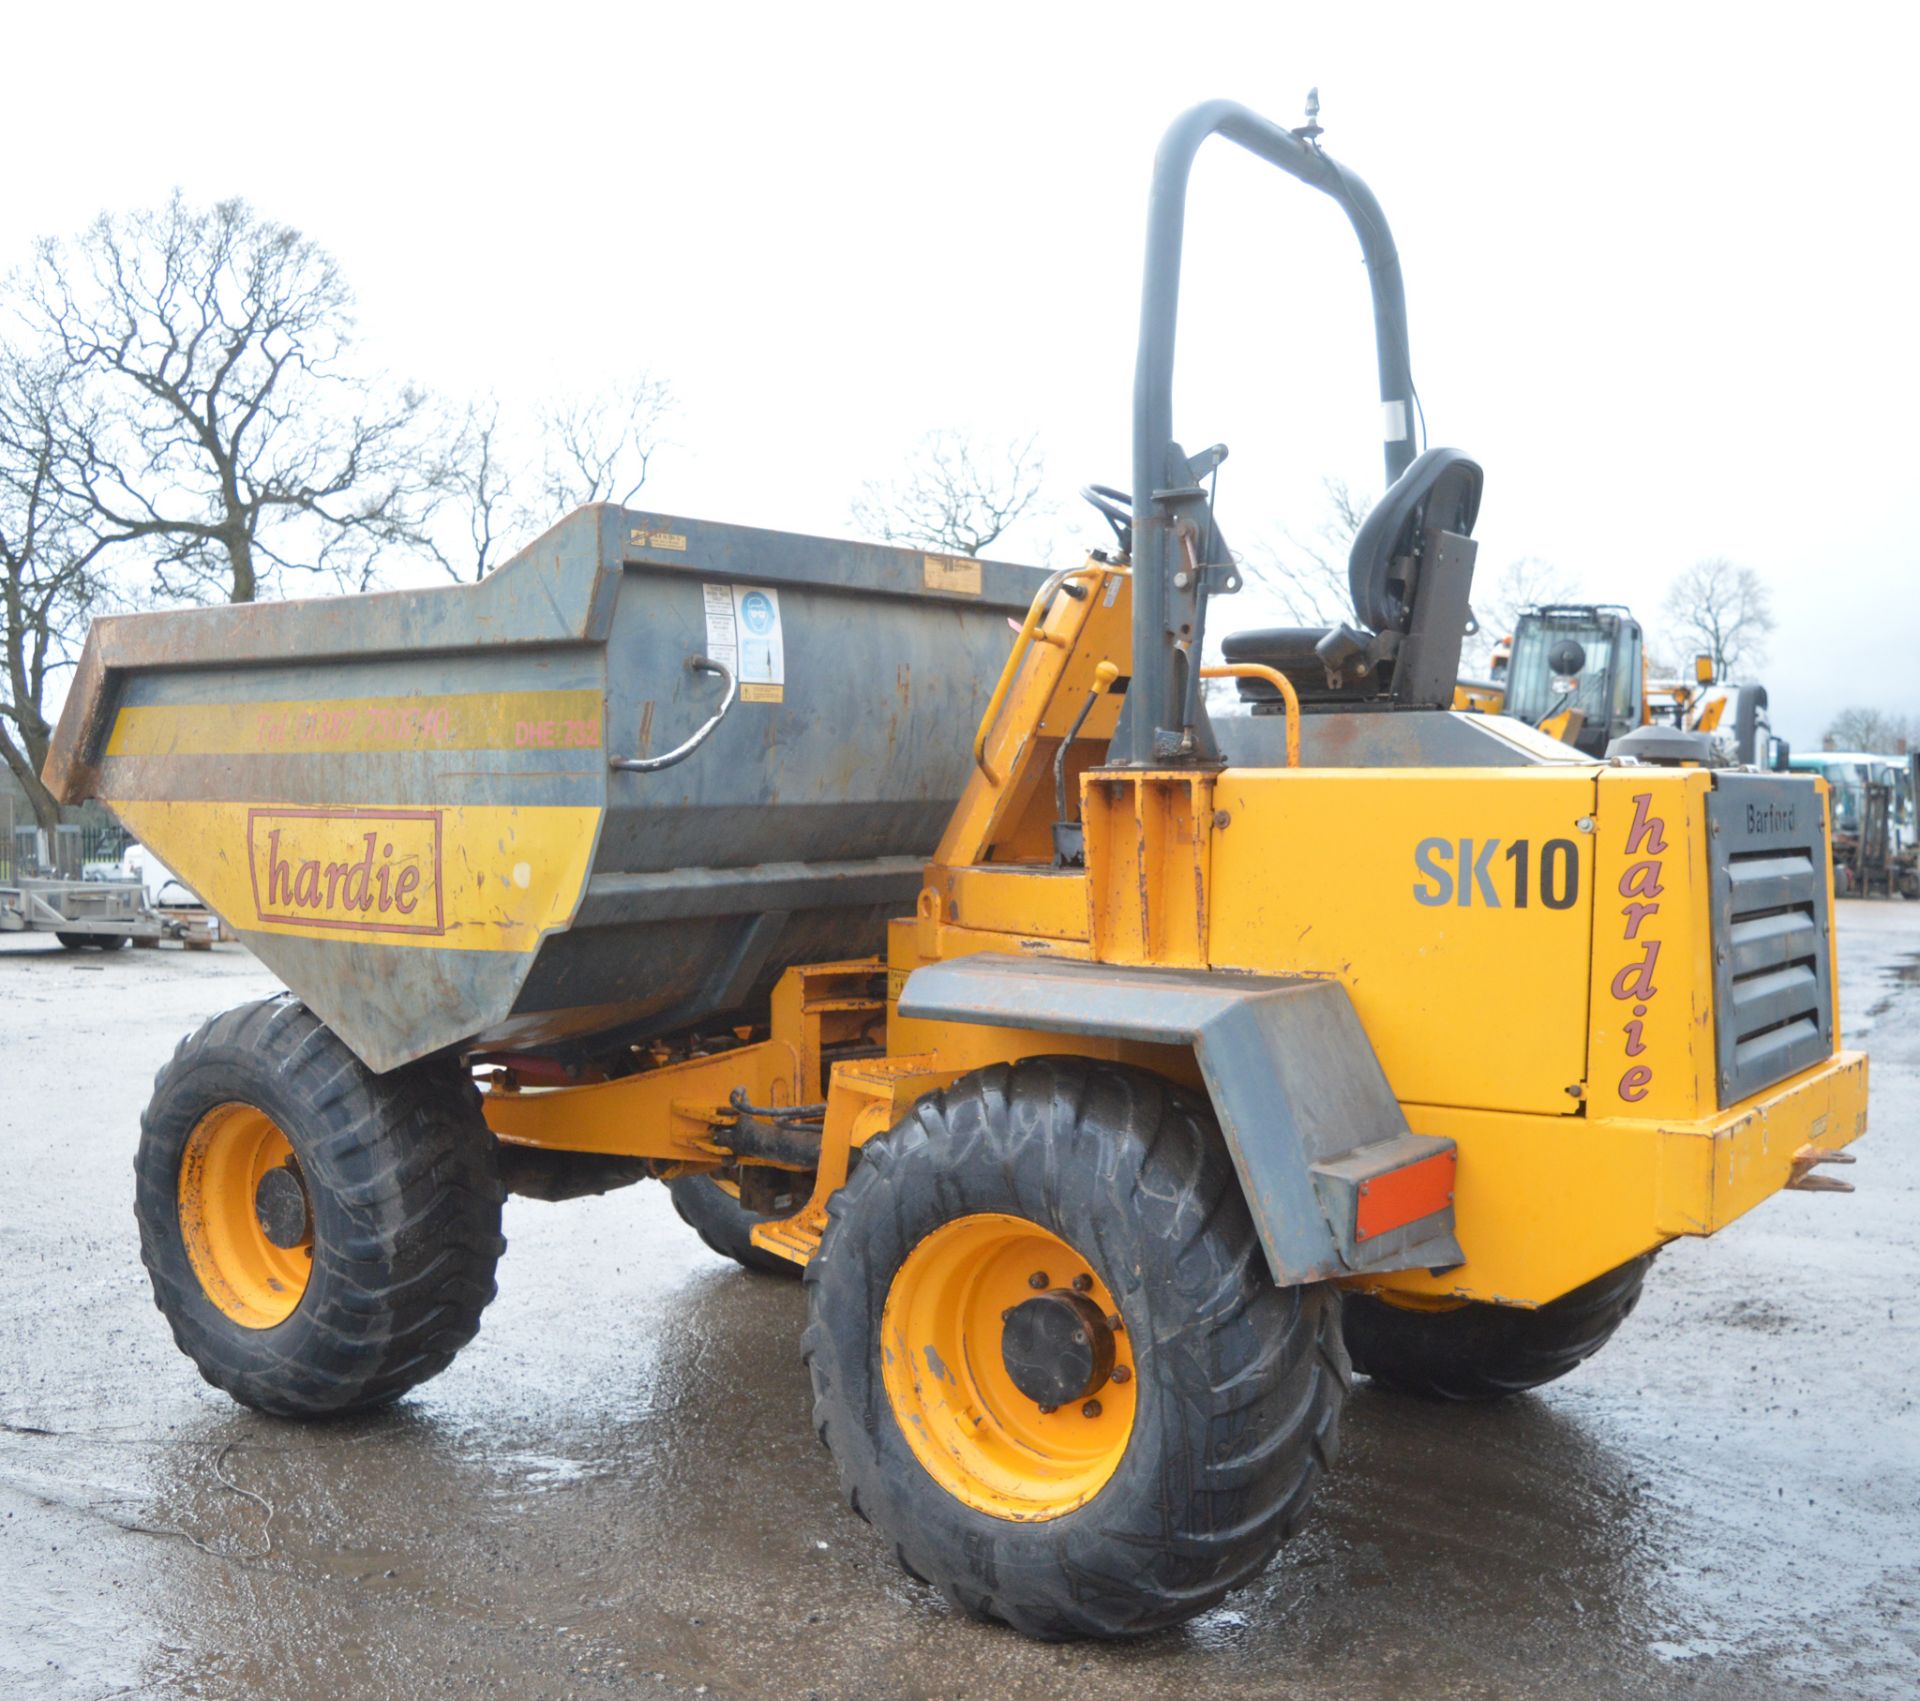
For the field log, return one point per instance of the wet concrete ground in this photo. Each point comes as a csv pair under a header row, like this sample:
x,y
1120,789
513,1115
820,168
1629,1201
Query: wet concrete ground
x,y
615,1489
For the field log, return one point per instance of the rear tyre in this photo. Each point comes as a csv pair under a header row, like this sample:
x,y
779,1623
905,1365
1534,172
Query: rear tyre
x,y
713,1211
1040,1466
1475,1351
320,1238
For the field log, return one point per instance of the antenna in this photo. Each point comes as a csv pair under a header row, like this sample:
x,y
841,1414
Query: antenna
x,y
1311,131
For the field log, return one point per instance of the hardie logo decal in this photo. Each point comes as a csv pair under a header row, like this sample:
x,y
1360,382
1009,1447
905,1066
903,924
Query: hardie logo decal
x,y
369,870
1641,885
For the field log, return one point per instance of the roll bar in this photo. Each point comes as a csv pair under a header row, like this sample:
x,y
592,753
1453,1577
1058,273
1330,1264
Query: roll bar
x,y
1167,723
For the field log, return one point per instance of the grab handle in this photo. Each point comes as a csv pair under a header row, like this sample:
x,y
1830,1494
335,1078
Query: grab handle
x,y
1037,611
653,764
1281,683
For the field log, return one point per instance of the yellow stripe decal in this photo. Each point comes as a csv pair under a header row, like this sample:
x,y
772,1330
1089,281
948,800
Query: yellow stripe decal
x,y
475,878
472,720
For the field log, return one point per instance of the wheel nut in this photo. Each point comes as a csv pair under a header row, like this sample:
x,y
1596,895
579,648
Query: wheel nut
x,y
1007,1315
1122,1374
1081,1284
1048,1411
1090,1409
1113,1322
1038,1279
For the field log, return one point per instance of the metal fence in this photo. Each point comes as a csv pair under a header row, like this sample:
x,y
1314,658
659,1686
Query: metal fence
x,y
102,843
67,853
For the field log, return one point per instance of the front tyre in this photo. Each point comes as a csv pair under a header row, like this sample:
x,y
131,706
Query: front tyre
x,y
320,1238
1049,1360
1475,1351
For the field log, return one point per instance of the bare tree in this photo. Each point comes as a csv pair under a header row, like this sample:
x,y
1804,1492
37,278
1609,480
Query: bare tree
x,y
1524,583
957,494
598,446
1528,582
1722,610
228,437
1873,730
48,555
476,496
494,487
1308,575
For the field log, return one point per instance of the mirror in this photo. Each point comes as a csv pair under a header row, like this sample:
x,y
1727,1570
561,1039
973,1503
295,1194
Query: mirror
x,y
1568,656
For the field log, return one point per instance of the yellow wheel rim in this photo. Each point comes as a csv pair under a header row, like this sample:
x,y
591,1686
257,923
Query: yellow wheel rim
x,y
229,1153
984,1441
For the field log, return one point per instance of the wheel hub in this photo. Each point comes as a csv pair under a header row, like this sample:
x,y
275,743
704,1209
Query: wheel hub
x,y
1057,1348
985,1376
245,1216
280,1202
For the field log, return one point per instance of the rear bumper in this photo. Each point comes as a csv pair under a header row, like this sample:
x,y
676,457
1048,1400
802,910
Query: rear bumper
x,y
1544,1204
1716,1171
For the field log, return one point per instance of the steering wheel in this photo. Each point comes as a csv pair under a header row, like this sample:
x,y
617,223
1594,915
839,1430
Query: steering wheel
x,y
1116,508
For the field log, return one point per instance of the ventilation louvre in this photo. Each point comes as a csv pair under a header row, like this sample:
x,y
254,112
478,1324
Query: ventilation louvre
x,y
1773,984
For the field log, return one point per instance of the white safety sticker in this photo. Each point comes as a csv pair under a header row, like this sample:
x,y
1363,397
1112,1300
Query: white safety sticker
x,y
744,634
1393,421
723,643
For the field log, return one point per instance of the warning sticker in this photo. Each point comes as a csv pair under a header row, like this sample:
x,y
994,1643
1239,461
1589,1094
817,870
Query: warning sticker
x,y
642,537
951,573
744,633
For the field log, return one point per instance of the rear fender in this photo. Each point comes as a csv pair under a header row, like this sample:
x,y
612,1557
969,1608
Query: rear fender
x,y
1337,1182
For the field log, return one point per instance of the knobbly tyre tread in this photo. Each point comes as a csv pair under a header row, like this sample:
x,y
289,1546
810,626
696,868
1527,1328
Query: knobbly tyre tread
x,y
1489,1352
725,1225
1240,1382
406,1198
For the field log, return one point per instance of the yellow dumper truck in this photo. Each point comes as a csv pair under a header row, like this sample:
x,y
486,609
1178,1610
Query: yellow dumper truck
x,y
1120,1079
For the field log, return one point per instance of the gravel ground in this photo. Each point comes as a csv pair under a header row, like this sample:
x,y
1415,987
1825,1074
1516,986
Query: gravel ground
x,y
615,1489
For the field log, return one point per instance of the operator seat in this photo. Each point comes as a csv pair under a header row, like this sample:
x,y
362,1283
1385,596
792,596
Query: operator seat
x,y
1409,573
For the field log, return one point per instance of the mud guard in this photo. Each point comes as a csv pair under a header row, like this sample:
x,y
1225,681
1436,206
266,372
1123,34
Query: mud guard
x,y
1329,1167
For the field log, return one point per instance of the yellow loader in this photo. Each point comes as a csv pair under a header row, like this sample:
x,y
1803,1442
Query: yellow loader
x,y
1579,672
1121,1080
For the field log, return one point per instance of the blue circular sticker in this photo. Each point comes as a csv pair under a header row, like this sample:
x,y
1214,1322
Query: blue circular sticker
x,y
756,609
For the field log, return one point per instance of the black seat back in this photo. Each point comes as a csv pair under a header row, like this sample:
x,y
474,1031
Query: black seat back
x,y
1441,489
1410,571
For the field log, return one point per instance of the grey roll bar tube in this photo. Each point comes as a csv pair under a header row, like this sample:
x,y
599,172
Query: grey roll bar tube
x,y
1167,616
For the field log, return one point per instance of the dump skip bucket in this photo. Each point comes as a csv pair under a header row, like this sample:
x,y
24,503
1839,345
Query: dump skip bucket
x,y
405,803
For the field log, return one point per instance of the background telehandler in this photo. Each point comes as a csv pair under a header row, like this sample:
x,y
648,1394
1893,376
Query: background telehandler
x,y
1579,672
1120,1081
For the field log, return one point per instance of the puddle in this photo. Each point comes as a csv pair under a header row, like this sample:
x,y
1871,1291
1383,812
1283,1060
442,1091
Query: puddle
x,y
1899,977
539,1470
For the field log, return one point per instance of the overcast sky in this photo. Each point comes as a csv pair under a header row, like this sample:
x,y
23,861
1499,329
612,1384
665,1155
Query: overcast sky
x,y
1660,263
